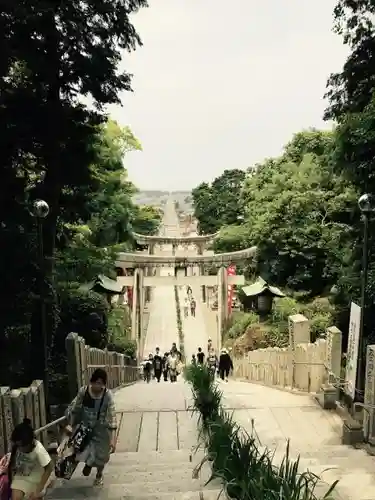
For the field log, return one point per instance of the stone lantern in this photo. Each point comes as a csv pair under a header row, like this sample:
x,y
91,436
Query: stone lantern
x,y
259,296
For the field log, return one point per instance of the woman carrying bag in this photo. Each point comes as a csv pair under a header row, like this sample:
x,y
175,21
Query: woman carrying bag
x,y
92,423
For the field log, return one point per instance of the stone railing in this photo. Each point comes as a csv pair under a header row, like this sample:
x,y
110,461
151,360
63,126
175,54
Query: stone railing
x,y
17,404
29,402
303,366
83,360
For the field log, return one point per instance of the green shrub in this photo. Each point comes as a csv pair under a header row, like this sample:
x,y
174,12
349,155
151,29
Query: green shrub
x,y
119,323
124,346
179,322
241,324
86,313
283,308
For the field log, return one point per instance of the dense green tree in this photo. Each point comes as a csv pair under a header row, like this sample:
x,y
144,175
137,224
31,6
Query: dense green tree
x,y
298,212
51,55
351,105
219,204
146,219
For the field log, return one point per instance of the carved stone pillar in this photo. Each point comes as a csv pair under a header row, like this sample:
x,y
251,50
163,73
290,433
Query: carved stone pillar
x,y
140,311
201,271
135,304
222,303
333,352
149,272
369,423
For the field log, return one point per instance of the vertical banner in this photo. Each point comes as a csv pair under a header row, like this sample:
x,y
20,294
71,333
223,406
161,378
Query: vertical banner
x,y
231,271
352,352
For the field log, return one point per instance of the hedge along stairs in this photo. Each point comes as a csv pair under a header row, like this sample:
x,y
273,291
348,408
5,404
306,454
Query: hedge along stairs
x,y
246,470
179,321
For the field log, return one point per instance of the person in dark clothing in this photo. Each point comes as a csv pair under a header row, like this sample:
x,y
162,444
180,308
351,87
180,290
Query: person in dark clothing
x,y
147,369
193,360
165,366
225,365
174,350
193,306
200,356
158,364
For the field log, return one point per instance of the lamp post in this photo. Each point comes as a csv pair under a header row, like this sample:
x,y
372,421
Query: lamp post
x,y
40,211
366,206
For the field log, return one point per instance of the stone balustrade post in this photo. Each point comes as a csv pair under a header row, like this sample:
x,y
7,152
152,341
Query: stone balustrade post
x,y
369,399
73,362
6,420
299,333
333,352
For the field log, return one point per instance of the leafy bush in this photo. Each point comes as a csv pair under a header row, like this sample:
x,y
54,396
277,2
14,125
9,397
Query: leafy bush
x,y
124,346
241,323
119,323
283,308
179,322
86,313
246,471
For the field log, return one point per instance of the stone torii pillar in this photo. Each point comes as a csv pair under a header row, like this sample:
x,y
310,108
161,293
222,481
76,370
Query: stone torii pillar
x,y
200,248
149,272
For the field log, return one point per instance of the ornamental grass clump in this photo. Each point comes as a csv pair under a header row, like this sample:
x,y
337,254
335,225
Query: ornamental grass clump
x,y
206,395
246,470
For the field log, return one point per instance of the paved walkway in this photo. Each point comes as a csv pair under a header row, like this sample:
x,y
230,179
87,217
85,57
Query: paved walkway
x,y
194,328
162,326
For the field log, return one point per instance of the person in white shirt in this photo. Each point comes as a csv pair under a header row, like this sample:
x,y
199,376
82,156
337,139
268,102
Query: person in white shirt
x,y
172,364
31,465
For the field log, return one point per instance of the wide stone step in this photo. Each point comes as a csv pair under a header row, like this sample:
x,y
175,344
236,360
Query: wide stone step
x,y
152,457
168,486
124,476
176,495
134,489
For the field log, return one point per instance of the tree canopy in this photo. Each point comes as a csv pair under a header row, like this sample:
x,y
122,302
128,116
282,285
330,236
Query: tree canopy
x,y
54,58
219,204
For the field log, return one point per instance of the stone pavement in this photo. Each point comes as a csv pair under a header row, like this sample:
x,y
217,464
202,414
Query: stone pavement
x,y
162,325
314,434
194,328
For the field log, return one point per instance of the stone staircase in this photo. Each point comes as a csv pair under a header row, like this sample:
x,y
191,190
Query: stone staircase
x,y
167,475
353,468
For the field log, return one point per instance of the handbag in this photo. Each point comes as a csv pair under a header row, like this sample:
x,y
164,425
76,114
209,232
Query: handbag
x,y
65,466
83,433
5,492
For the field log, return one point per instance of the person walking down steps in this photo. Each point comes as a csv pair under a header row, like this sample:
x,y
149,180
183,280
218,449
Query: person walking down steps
x,y
172,364
193,306
225,364
147,368
200,356
165,366
93,424
158,364
30,465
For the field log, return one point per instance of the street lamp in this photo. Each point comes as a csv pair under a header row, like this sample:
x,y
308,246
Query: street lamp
x,y
366,206
40,211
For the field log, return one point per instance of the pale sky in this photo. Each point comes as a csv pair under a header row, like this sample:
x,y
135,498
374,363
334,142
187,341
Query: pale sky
x,y
218,87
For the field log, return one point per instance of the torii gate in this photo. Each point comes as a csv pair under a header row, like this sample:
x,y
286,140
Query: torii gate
x,y
200,242
140,280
